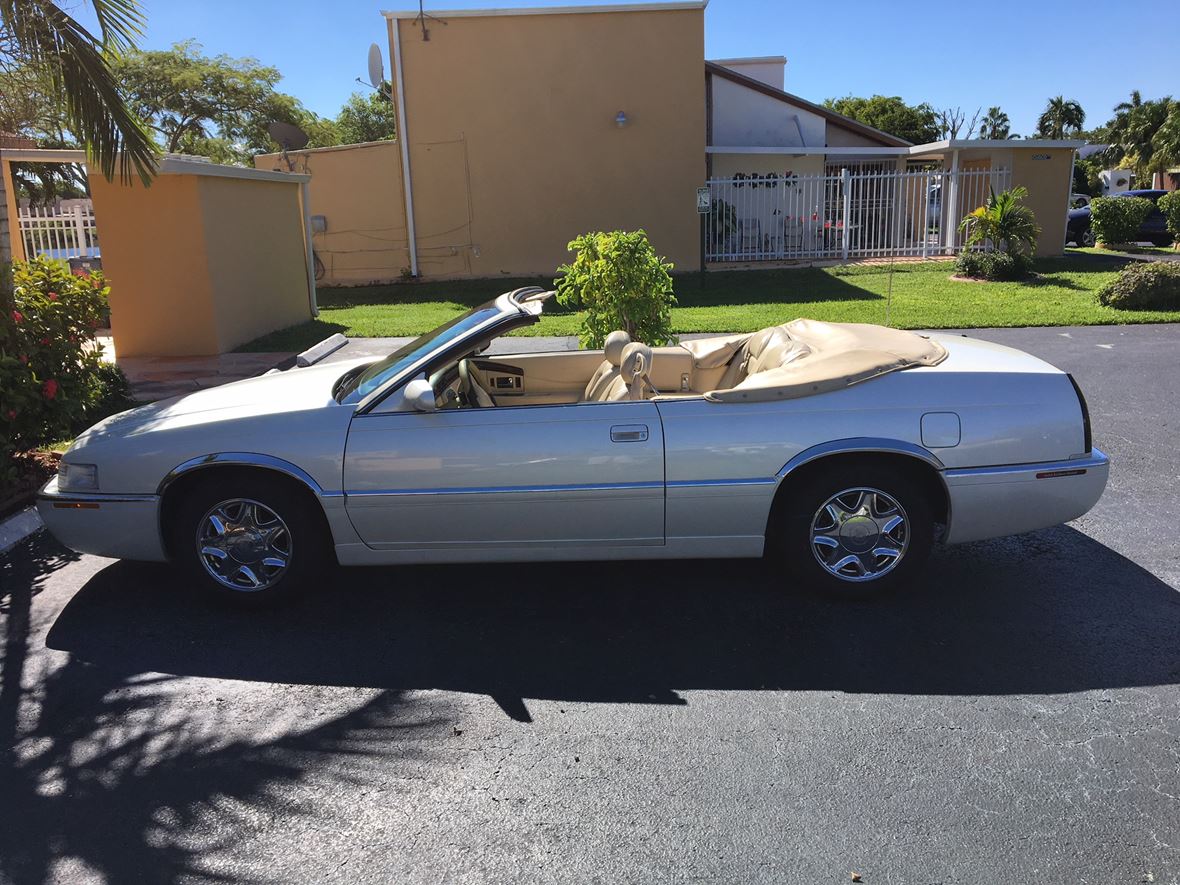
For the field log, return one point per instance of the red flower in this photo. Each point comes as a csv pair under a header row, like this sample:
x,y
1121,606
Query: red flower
x,y
12,414
49,389
45,341
24,358
53,296
17,316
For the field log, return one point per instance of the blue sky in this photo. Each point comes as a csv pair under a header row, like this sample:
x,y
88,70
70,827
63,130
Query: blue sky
x,y
1014,54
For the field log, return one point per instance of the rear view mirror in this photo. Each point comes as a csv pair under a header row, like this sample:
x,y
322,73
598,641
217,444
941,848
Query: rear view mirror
x,y
420,395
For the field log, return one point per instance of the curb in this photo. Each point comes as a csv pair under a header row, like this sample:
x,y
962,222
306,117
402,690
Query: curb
x,y
18,527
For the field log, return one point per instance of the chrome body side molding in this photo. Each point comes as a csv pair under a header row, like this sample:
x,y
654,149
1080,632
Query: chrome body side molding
x,y
243,459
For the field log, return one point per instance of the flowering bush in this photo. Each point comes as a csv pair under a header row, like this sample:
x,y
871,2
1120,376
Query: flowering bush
x,y
51,372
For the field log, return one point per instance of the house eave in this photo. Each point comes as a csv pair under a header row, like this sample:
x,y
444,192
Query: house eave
x,y
547,10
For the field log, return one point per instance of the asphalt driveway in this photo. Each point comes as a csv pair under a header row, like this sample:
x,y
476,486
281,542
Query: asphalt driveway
x,y
1016,719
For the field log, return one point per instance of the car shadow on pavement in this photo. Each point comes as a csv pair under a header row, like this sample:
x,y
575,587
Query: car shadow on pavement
x,y
1043,613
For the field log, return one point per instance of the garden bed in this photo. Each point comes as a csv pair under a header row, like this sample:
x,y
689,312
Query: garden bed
x,y
33,470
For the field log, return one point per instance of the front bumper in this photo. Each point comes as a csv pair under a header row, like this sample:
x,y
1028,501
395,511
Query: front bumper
x,y
991,502
119,526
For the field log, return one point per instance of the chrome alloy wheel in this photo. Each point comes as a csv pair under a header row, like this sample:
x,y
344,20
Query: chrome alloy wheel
x,y
243,545
859,534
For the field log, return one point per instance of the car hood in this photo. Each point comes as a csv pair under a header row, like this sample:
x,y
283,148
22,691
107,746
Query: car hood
x,y
294,390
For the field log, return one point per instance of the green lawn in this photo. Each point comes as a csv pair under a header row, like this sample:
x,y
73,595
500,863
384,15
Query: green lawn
x,y
741,301
1132,250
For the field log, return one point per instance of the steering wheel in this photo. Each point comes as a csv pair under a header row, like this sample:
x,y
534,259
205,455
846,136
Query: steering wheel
x,y
469,388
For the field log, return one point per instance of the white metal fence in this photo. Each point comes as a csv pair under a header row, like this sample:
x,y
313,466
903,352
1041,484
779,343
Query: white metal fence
x,y
852,214
58,232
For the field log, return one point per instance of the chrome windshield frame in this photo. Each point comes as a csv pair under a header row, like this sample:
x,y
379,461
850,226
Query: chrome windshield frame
x,y
516,308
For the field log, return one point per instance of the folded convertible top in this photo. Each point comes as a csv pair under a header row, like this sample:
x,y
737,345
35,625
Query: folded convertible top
x,y
807,357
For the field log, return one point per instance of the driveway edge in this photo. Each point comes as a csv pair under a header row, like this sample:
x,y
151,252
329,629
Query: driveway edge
x,y
19,526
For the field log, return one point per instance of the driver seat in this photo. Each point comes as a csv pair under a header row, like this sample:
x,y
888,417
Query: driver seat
x,y
607,372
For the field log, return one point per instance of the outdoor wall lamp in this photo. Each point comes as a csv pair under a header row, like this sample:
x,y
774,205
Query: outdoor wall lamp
x,y
620,119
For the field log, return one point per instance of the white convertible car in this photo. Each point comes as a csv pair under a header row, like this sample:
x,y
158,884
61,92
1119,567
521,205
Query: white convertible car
x,y
846,450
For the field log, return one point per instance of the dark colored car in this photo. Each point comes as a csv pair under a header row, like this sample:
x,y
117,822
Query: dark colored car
x,y
1154,228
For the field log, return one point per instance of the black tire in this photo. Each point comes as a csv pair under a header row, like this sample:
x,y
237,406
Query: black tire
x,y
881,484
300,538
1087,238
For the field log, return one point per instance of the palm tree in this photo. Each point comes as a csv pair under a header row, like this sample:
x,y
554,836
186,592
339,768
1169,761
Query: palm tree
x,y
76,63
1004,222
1060,118
995,124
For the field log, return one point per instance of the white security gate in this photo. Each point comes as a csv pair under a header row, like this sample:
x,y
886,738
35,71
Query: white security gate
x,y
853,214
58,233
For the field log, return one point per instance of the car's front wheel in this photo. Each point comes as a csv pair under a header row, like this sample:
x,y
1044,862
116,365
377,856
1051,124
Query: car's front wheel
x,y
1087,238
249,539
858,530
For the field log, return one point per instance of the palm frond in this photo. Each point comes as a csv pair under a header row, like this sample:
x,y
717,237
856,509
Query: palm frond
x,y
77,64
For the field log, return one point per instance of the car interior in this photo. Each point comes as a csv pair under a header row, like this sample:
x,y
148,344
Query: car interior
x,y
795,359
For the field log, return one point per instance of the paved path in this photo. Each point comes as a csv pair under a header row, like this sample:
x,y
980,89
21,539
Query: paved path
x,y
1013,720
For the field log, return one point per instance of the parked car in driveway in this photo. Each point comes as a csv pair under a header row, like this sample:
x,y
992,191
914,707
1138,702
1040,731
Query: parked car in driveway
x,y
1153,230
844,450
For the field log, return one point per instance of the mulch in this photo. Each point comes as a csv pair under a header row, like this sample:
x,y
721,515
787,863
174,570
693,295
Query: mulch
x,y
34,469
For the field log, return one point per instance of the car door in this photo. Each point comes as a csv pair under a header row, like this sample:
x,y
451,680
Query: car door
x,y
585,474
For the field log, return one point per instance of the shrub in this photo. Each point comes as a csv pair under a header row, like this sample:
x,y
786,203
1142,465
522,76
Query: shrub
x,y
1169,204
1144,285
51,372
993,266
1117,219
1003,223
621,283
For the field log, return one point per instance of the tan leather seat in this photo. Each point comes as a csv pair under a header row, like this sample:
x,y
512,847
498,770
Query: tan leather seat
x,y
633,381
763,350
608,370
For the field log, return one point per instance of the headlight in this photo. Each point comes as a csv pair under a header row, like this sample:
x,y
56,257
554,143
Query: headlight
x,y
77,477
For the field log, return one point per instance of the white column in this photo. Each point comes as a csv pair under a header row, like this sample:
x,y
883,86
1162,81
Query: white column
x,y
950,207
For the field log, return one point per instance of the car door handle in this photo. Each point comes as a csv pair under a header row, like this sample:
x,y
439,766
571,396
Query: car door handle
x,y
628,433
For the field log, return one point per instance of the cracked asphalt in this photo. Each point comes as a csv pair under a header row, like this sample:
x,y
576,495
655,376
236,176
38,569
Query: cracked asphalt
x,y
1013,720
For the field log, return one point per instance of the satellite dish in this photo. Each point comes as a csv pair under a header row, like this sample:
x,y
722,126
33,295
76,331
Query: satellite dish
x,y
376,66
290,136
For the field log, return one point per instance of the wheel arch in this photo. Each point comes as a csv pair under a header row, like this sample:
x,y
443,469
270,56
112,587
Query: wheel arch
x,y
919,462
182,476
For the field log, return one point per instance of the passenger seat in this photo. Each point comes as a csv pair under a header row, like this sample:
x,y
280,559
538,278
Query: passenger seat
x,y
608,371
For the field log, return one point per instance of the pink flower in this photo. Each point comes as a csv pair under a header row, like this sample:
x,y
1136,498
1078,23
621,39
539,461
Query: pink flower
x,y
53,296
17,316
45,342
12,414
24,358
49,389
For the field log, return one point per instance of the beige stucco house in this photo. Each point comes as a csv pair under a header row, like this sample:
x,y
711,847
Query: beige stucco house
x,y
519,129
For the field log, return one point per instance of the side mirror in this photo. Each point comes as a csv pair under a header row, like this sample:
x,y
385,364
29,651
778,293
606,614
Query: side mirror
x,y
420,395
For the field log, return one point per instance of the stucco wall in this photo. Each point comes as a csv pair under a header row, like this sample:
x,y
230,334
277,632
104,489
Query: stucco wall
x,y
513,144
153,252
358,189
1048,183
256,257
199,264
744,117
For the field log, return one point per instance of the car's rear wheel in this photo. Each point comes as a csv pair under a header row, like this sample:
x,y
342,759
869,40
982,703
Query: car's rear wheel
x,y
859,530
249,539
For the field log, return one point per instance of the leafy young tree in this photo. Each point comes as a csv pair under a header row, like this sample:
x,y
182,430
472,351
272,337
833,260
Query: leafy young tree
x,y
367,117
1061,117
620,282
75,68
995,125
213,106
913,123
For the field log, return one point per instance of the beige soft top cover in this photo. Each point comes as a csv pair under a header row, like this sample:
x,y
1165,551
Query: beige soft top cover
x,y
806,357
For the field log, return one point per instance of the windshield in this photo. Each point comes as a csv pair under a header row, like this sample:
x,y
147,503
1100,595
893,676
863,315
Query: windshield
x,y
356,388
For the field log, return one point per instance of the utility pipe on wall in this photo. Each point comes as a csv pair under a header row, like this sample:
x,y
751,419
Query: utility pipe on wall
x,y
404,142
305,199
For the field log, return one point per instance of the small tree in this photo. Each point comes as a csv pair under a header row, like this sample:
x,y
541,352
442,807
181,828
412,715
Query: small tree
x,y
1004,222
620,283
1117,219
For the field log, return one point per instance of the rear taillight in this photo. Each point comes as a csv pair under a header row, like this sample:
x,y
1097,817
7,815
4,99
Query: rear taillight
x,y
1085,414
